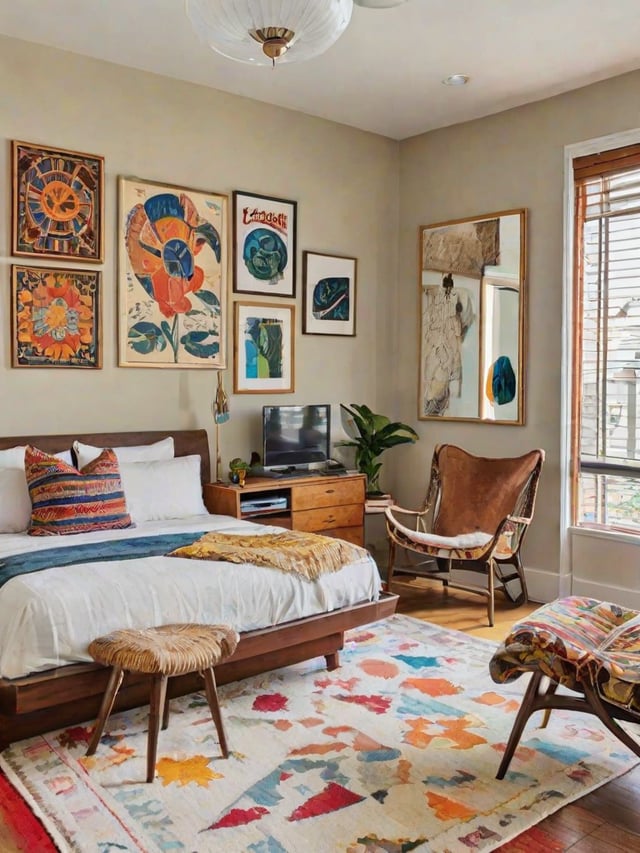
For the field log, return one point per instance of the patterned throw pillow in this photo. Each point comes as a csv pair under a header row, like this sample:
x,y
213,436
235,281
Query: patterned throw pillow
x,y
65,500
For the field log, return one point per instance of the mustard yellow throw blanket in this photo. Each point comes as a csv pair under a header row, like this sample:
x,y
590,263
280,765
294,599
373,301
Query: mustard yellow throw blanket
x,y
306,554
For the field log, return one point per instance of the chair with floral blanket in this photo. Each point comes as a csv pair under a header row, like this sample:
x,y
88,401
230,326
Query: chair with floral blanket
x,y
474,518
591,647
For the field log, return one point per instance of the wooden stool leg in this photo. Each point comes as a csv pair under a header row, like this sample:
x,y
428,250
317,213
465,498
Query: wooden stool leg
x,y
113,685
165,714
156,709
212,698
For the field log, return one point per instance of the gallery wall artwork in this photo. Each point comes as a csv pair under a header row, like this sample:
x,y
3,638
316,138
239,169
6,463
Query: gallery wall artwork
x,y
172,276
264,245
329,294
56,317
57,203
472,306
263,348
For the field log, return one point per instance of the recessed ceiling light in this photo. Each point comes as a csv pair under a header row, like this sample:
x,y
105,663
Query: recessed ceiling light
x,y
456,80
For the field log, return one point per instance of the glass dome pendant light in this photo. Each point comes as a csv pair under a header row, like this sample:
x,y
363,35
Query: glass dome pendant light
x,y
286,30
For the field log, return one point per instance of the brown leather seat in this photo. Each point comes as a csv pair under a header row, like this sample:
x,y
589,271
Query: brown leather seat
x,y
474,517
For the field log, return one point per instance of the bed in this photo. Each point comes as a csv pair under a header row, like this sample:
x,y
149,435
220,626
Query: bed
x,y
47,617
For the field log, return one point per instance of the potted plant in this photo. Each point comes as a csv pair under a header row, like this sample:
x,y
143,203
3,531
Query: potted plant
x,y
371,435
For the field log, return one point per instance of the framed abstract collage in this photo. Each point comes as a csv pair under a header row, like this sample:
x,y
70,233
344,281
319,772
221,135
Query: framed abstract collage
x,y
173,261
57,212
177,247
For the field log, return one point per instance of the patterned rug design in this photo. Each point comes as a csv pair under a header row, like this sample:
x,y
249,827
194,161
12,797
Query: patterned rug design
x,y
395,751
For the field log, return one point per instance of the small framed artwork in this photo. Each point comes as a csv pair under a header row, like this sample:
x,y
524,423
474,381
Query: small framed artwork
x,y
264,350
57,204
472,319
173,263
264,245
329,294
56,317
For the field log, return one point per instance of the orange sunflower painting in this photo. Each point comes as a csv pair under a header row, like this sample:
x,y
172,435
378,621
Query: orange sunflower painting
x,y
56,318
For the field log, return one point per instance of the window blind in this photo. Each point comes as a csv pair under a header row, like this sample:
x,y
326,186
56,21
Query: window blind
x,y
607,340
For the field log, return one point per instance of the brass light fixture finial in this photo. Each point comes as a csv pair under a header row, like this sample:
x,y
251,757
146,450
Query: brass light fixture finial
x,y
275,41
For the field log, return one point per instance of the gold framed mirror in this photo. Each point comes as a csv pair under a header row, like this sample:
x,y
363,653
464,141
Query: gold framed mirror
x,y
472,318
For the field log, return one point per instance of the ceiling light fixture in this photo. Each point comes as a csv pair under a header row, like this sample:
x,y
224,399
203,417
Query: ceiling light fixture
x,y
456,80
378,4
286,30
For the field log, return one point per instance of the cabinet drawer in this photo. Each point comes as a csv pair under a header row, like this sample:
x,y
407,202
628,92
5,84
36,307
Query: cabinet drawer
x,y
327,518
355,535
314,495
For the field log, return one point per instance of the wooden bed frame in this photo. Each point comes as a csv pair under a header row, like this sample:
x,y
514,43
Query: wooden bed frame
x,y
71,694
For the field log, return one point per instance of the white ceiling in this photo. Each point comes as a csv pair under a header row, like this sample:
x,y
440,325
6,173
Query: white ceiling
x,y
384,74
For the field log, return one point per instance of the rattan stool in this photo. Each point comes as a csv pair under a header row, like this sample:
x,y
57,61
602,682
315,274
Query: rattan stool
x,y
162,652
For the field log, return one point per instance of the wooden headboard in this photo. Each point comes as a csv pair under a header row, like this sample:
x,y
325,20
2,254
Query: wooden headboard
x,y
187,442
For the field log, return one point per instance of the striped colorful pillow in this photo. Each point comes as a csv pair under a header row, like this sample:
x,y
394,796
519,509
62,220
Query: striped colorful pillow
x,y
65,500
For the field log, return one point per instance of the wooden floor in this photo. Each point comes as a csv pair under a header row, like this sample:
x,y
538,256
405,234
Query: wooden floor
x,y
606,820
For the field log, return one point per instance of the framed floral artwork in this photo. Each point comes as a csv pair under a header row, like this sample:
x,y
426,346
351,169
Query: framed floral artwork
x,y
329,294
472,319
264,245
263,348
57,203
56,317
173,261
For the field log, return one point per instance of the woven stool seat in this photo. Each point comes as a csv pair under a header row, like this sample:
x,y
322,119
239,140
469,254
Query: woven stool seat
x,y
166,650
162,652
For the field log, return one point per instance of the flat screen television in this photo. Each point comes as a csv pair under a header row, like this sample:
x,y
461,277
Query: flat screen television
x,y
295,437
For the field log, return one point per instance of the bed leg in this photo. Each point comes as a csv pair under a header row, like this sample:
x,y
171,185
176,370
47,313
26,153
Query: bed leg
x,y
333,661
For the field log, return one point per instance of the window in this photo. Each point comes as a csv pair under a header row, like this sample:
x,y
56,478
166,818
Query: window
x,y
606,439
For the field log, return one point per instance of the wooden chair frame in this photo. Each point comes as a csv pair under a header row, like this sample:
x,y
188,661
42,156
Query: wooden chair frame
x,y
493,556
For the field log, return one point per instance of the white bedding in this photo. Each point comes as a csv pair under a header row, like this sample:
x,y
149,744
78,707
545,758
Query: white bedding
x,y
48,618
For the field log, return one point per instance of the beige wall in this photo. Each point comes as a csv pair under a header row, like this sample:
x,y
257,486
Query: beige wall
x,y
346,185
514,159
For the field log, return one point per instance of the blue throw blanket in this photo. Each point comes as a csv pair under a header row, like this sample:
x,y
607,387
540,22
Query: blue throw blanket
x,y
118,549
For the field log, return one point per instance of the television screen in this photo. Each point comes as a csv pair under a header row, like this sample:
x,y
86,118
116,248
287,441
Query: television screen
x,y
295,436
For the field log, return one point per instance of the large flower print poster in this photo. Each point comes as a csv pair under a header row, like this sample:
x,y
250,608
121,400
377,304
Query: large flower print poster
x,y
173,276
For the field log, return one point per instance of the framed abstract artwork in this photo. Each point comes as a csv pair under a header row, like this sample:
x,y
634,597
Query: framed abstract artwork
x,y
173,268
472,319
329,294
263,348
57,203
264,245
56,317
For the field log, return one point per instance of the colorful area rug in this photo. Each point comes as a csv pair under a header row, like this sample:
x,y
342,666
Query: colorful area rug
x,y
395,751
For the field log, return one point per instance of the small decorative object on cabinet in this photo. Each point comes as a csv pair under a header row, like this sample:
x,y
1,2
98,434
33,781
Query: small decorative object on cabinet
x,y
330,505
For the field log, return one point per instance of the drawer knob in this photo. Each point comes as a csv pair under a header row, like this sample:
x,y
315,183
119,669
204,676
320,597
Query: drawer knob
x,y
330,491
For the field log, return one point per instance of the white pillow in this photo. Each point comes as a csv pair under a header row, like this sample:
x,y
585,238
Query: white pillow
x,y
162,449
163,489
13,457
15,502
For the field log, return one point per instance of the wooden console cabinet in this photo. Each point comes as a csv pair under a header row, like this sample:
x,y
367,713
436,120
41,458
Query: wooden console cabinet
x,y
333,505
